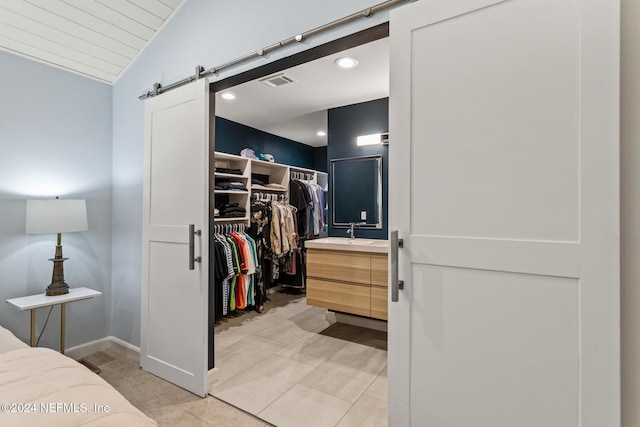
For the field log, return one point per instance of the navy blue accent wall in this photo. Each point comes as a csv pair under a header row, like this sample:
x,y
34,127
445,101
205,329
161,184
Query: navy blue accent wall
x,y
232,137
320,162
345,124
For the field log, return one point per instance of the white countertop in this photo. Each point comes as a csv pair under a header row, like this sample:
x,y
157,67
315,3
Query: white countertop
x,y
346,244
41,300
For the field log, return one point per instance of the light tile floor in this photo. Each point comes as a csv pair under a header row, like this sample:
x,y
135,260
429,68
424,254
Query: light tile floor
x,y
287,366
291,367
166,403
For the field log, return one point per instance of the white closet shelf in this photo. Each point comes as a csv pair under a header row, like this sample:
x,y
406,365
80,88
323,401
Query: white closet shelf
x,y
227,156
230,175
277,174
267,165
230,192
275,190
218,219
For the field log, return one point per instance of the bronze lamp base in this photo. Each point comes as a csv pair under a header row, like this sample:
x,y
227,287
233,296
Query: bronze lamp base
x,y
57,289
58,285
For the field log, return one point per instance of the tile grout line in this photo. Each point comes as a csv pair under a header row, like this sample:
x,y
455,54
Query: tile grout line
x,y
281,321
271,403
318,391
374,380
240,409
266,357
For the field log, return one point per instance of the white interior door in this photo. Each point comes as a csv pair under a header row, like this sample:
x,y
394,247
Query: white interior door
x,y
504,178
174,297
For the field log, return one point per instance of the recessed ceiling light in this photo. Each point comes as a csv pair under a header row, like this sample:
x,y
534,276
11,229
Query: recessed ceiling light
x,y
346,62
321,133
228,95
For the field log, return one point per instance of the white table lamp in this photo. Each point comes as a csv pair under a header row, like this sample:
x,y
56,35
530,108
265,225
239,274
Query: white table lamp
x,y
56,217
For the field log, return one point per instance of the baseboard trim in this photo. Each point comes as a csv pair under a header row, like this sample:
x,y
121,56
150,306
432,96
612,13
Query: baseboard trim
x,y
83,350
125,344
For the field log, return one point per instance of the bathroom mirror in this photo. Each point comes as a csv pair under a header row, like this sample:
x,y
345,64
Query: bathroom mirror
x,y
356,191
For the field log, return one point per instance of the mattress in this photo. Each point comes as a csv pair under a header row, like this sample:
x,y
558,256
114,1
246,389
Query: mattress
x,y
41,387
9,342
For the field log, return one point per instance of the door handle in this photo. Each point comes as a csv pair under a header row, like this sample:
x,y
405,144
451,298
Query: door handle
x,y
192,246
396,284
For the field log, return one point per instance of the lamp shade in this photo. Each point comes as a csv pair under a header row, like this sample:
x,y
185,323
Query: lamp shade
x,y
56,216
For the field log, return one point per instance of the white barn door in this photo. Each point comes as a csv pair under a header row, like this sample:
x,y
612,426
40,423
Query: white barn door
x,y
504,186
174,297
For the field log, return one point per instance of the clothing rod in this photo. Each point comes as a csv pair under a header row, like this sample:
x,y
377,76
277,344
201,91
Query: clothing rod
x,y
201,72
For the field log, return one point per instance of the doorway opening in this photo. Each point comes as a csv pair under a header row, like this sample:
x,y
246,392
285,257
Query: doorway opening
x,y
314,333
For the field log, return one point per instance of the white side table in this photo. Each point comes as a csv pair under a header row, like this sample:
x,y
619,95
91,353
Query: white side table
x,y
33,302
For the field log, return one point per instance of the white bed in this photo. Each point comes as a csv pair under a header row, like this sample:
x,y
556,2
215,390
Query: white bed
x,y
41,387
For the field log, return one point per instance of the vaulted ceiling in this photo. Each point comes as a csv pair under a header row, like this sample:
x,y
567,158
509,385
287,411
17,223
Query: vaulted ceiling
x,y
100,38
96,38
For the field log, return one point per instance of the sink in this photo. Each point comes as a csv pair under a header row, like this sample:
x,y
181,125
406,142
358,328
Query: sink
x,y
378,242
346,241
336,240
346,244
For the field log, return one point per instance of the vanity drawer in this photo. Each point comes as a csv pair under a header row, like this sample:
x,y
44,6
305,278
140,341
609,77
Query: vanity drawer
x,y
339,265
379,270
379,302
345,297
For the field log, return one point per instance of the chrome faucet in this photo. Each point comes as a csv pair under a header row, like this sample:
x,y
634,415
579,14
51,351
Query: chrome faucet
x,y
352,229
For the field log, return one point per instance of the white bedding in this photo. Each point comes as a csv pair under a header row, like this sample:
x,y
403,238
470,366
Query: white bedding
x,y
41,387
9,342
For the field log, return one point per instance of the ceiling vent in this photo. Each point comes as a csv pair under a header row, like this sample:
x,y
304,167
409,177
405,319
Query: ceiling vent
x,y
277,80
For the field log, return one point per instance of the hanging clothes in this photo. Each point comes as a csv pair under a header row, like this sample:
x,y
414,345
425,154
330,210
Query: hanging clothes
x,y
260,231
274,226
266,231
300,198
297,276
236,264
308,198
323,207
283,233
224,271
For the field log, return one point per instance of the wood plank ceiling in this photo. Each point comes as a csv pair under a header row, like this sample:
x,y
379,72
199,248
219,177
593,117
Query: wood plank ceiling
x,y
96,38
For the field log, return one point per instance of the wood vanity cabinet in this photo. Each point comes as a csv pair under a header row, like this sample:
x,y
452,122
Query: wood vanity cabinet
x,y
349,282
379,285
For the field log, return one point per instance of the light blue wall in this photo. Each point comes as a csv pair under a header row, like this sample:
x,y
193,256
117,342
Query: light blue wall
x,y
55,140
208,33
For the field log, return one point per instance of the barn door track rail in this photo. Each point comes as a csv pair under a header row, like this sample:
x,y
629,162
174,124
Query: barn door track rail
x,y
201,72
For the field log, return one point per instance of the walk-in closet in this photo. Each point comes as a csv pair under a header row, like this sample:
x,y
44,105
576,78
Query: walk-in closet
x,y
287,272
263,214
300,258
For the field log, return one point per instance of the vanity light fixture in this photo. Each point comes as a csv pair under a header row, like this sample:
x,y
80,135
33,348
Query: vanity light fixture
x,y
228,96
346,62
321,133
373,139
